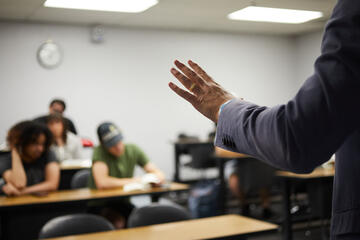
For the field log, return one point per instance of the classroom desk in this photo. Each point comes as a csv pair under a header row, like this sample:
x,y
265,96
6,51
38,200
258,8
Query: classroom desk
x,y
68,168
319,183
221,227
83,194
75,164
31,212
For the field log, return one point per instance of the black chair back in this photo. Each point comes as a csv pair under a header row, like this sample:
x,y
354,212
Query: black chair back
x,y
80,179
157,214
202,156
74,224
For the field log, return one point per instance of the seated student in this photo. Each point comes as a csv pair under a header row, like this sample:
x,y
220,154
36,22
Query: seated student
x,y
30,167
66,144
113,166
58,106
249,174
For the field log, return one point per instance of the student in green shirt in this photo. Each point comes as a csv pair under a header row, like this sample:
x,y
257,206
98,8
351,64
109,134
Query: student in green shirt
x,y
113,166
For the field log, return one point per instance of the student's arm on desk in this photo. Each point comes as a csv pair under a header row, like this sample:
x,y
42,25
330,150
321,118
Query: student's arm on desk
x,y
10,190
151,168
16,176
102,179
51,183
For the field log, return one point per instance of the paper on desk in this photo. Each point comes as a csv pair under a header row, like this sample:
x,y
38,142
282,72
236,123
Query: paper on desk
x,y
150,178
145,184
86,163
134,187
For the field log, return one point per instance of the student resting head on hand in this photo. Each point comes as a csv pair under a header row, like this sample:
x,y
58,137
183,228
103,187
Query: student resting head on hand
x,y
30,167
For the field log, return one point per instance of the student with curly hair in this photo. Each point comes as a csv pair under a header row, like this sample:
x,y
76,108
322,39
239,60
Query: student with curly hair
x,y
30,167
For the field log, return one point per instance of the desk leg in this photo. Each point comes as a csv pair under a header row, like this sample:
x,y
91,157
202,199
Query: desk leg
x,y
286,226
155,198
322,192
177,165
320,195
222,191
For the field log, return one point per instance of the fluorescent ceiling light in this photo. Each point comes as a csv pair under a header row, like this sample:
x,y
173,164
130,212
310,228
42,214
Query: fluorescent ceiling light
x,y
277,15
131,6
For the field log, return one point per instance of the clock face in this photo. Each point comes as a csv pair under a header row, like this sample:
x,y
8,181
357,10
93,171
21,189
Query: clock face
x,y
49,55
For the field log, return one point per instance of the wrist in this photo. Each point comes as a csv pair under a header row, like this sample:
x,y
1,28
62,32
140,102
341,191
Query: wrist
x,y
221,108
136,180
15,153
23,191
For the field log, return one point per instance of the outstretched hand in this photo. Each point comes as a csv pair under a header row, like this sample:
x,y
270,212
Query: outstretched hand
x,y
203,92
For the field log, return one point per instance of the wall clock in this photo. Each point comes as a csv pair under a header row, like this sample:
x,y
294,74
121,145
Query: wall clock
x,y
49,55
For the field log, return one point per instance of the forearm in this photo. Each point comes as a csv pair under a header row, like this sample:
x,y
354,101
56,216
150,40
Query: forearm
x,y
45,186
306,131
17,175
151,168
113,182
159,174
273,136
7,176
283,136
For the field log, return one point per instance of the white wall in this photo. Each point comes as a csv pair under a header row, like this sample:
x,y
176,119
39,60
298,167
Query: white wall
x,y
306,51
125,78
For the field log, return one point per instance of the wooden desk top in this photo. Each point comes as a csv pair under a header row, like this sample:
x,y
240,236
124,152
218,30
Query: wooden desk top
x,y
317,173
205,228
77,167
83,194
222,153
75,164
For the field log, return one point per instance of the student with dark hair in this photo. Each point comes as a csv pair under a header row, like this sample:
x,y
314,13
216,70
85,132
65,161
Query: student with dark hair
x,y
14,133
58,106
66,145
114,164
30,167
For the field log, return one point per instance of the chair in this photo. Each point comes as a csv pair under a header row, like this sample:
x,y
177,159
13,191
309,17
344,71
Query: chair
x,y
80,179
157,214
202,156
74,224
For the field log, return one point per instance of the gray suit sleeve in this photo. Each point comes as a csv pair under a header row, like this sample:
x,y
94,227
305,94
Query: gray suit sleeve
x,y
305,132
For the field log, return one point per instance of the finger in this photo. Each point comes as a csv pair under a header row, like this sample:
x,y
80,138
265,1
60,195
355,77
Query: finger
x,y
5,190
200,71
185,81
189,73
182,93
